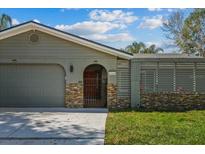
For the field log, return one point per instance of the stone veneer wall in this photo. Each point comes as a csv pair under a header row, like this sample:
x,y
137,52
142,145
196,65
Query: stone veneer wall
x,y
123,102
111,95
172,101
113,101
74,95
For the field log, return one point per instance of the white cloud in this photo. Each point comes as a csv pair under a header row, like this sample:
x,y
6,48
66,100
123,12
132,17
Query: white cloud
x,y
158,44
151,22
97,31
15,22
154,9
117,16
119,37
100,25
36,20
89,27
162,43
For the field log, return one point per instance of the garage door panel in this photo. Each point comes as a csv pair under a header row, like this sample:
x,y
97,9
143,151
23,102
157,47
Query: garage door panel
x,y
31,86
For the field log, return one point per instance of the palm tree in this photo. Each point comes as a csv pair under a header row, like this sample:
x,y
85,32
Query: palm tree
x,y
135,47
140,47
153,49
5,21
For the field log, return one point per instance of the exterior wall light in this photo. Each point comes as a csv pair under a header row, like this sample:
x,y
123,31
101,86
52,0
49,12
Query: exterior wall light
x,y
71,68
14,60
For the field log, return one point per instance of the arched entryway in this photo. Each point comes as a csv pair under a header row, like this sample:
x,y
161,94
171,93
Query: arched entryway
x,y
95,86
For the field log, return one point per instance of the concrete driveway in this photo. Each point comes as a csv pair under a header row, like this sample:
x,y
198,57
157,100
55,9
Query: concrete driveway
x,y
52,126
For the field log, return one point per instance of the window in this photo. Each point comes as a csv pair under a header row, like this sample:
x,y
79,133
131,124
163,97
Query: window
x,y
200,80
148,80
184,77
166,80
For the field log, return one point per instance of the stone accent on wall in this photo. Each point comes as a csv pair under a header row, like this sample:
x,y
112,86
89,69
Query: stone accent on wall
x,y
115,102
123,102
111,95
172,101
74,95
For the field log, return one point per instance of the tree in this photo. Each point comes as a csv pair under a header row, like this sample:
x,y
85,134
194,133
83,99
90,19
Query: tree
x,y
187,33
140,47
135,47
153,49
5,21
193,32
173,28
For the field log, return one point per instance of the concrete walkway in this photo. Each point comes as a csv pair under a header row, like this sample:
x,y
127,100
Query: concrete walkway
x,y
52,126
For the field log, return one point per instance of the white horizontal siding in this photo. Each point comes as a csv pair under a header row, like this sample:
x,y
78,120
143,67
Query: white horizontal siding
x,y
123,78
51,49
48,46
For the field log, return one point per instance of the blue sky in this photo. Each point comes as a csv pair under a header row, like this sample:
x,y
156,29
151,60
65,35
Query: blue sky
x,y
114,27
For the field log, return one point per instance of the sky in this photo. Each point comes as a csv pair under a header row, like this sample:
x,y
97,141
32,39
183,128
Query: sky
x,y
114,27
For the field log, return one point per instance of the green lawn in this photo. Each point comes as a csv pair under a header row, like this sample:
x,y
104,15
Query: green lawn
x,y
134,127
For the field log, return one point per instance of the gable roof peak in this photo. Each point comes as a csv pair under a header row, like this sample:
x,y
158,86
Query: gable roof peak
x,y
32,25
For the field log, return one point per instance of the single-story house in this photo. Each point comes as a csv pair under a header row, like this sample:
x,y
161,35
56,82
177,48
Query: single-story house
x,y
44,67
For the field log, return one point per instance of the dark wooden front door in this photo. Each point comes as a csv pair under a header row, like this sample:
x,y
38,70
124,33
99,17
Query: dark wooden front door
x,y
92,88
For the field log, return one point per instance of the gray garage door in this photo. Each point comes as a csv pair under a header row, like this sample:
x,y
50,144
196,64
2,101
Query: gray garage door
x,y
31,86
